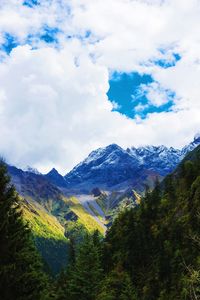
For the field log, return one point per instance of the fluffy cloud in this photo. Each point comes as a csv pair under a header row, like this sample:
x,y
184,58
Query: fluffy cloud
x,y
156,95
53,104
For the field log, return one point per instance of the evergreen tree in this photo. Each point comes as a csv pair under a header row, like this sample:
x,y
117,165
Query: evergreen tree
x,y
62,283
87,274
117,286
21,275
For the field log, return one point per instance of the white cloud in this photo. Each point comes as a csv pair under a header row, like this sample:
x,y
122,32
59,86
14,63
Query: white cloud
x,y
156,95
53,104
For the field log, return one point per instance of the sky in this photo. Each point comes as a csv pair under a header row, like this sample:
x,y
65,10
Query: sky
x,y
76,75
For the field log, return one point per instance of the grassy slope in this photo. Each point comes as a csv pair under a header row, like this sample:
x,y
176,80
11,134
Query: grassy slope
x,y
49,231
84,217
42,223
48,234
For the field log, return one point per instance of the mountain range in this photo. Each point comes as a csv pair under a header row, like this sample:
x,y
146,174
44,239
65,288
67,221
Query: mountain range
x,y
91,194
113,168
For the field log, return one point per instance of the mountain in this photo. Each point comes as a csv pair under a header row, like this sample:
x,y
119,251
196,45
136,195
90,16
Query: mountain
x,y
32,170
94,191
160,159
54,177
92,194
113,168
55,200
53,216
192,145
35,186
105,168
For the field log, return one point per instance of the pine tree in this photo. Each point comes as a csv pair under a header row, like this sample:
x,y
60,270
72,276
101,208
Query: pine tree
x,y
21,275
62,283
117,286
87,273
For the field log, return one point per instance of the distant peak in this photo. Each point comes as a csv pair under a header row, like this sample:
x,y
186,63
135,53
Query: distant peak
x,y
53,171
113,147
32,170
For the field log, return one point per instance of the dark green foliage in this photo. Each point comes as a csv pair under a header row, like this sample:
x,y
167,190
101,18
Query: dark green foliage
x,y
21,275
65,276
83,276
86,275
75,231
61,285
54,253
158,242
117,286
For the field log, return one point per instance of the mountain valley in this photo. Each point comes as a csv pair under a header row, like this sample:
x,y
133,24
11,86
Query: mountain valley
x,y
90,196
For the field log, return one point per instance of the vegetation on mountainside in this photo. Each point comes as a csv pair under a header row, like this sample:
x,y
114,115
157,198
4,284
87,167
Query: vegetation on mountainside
x,y
114,203
157,243
103,202
117,285
52,238
49,235
151,252
42,223
83,278
84,217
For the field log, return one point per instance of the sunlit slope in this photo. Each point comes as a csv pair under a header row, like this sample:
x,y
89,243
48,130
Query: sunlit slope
x,y
83,216
48,234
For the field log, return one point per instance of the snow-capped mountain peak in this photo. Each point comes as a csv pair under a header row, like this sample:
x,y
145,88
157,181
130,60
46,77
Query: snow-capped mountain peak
x,y
102,152
113,165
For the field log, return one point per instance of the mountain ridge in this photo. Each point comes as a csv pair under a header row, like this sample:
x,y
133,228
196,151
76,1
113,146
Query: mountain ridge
x,y
112,166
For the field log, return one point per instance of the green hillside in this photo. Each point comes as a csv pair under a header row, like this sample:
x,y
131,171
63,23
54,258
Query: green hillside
x,y
50,227
83,217
158,242
48,233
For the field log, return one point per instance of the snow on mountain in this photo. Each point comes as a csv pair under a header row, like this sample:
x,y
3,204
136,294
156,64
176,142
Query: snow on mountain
x,y
107,166
32,170
160,159
111,167
114,168
192,145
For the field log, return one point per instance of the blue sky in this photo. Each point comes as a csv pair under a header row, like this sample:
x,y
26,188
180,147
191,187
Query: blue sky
x,y
122,89
31,3
125,93
9,43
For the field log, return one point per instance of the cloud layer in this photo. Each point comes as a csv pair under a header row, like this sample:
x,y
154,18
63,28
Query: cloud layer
x,y
53,104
